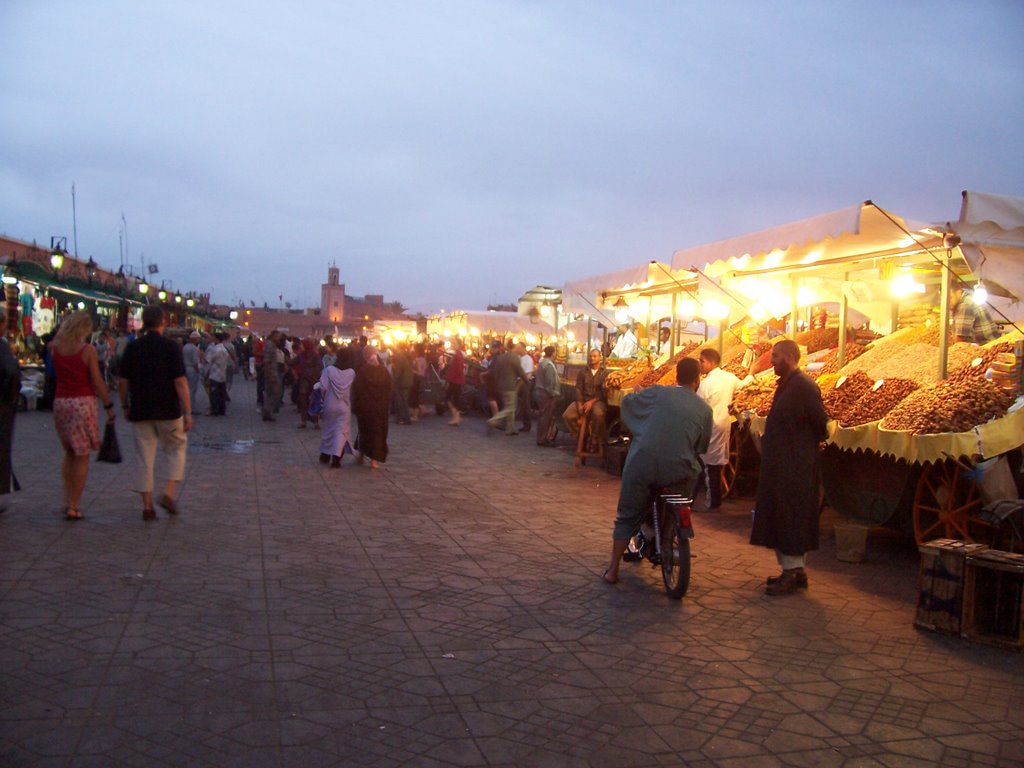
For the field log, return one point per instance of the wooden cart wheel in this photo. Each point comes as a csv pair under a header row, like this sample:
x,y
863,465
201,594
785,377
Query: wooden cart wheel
x,y
731,468
946,503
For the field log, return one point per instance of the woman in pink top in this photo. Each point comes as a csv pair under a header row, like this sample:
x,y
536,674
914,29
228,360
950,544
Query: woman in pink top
x,y
75,414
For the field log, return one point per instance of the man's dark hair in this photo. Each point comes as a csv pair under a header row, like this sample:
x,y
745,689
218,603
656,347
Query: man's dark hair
x,y
687,371
549,351
152,317
711,355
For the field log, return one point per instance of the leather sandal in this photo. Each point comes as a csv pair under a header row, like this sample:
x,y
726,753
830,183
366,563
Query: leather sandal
x,y
787,582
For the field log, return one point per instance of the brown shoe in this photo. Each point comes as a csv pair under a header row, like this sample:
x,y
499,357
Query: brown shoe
x,y
148,514
168,504
788,582
801,579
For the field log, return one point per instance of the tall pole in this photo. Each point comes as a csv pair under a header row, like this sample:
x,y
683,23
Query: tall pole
x,y
74,218
124,226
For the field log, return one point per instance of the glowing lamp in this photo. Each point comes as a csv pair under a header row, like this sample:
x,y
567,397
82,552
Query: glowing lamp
x,y
979,296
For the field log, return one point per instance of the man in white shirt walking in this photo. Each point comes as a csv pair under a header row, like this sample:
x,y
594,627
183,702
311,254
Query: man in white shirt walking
x,y
717,388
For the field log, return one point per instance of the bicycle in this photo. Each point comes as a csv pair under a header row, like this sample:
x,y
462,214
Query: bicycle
x,y
672,516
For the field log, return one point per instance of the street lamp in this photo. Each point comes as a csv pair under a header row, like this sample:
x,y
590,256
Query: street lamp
x,y
90,269
58,247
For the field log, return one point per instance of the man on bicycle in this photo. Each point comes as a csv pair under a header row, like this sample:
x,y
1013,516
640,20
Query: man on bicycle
x,y
671,427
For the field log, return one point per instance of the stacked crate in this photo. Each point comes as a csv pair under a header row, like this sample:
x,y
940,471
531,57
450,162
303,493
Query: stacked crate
x,y
941,594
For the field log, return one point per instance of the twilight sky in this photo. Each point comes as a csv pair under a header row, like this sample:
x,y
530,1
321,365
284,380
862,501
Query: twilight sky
x,y
452,154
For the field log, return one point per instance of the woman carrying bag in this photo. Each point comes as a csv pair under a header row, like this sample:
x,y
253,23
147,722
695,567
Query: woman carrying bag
x,y
75,411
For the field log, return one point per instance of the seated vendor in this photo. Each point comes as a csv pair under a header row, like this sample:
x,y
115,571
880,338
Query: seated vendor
x,y
591,398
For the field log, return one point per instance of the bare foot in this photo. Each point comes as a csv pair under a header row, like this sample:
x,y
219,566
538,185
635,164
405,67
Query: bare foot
x,y
609,577
374,464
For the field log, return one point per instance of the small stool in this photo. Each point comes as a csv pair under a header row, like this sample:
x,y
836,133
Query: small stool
x,y
586,444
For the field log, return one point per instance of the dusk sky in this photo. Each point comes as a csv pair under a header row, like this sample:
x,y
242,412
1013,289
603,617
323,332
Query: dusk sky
x,y
455,154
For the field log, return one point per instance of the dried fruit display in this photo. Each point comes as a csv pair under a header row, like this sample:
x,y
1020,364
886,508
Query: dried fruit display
x,y
883,396
818,339
624,377
754,395
948,407
663,371
831,360
841,397
975,368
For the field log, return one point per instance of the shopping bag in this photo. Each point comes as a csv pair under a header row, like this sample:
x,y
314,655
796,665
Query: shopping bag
x,y
110,451
316,402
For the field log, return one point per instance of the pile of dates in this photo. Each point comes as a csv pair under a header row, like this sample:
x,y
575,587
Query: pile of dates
x,y
845,393
876,402
975,370
948,407
831,360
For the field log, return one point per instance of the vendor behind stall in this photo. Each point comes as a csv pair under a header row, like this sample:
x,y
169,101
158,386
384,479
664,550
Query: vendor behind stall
x,y
626,344
972,322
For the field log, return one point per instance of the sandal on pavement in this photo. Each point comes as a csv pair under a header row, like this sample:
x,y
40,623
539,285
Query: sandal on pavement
x,y
168,504
73,514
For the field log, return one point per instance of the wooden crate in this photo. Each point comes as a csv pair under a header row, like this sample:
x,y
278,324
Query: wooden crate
x,y
941,584
994,598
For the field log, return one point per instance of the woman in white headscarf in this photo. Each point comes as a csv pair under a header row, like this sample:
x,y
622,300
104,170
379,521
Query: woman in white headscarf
x,y
336,417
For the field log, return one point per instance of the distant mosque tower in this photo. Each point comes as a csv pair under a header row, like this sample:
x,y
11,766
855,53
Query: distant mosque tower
x,y
332,296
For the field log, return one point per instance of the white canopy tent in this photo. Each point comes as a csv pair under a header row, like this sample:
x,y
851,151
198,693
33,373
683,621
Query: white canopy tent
x,y
478,323
991,232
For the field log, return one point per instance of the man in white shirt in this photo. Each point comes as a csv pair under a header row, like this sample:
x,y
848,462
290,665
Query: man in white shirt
x,y
218,359
717,388
524,400
626,344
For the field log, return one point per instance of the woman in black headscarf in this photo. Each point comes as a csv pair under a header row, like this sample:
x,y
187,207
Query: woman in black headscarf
x,y
371,401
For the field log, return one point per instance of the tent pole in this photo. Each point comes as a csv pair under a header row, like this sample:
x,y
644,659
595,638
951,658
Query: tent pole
x,y
944,288
844,311
672,335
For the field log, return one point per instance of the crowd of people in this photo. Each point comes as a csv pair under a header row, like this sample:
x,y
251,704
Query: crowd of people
x,y
680,435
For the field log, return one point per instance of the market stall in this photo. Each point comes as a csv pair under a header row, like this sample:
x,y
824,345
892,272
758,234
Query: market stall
x,y
914,414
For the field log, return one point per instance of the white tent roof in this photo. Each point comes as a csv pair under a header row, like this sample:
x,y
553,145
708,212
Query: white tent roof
x,y
499,323
860,230
991,230
583,296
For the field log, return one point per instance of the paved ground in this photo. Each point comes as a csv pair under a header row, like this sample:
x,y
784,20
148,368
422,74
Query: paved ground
x,y
447,611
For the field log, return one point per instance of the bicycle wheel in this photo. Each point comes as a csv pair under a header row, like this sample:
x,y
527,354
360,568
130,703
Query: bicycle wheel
x,y
675,557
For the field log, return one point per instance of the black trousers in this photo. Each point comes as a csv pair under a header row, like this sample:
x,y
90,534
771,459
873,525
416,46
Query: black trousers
x,y
218,398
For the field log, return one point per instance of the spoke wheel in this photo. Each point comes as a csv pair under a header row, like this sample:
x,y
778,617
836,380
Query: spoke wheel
x,y
675,558
731,468
946,504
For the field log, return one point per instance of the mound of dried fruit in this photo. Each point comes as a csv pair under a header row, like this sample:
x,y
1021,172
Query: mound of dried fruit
x,y
948,407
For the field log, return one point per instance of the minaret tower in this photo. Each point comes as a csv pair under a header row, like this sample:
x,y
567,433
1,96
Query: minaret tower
x,y
332,296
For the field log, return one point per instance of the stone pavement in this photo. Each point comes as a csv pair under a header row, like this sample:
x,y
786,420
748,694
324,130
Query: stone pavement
x,y
448,611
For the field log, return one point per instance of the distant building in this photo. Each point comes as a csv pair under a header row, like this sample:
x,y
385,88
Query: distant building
x,y
332,296
337,315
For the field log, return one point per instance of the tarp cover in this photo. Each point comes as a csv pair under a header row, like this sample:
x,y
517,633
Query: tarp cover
x,y
859,230
991,229
583,296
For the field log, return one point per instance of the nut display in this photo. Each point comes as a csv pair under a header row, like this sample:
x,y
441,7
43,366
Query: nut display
x,y
622,378
974,369
756,396
881,398
948,407
818,339
831,360
841,396
666,372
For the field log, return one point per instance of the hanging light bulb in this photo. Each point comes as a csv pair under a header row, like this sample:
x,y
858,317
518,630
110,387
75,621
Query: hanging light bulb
x,y
980,295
